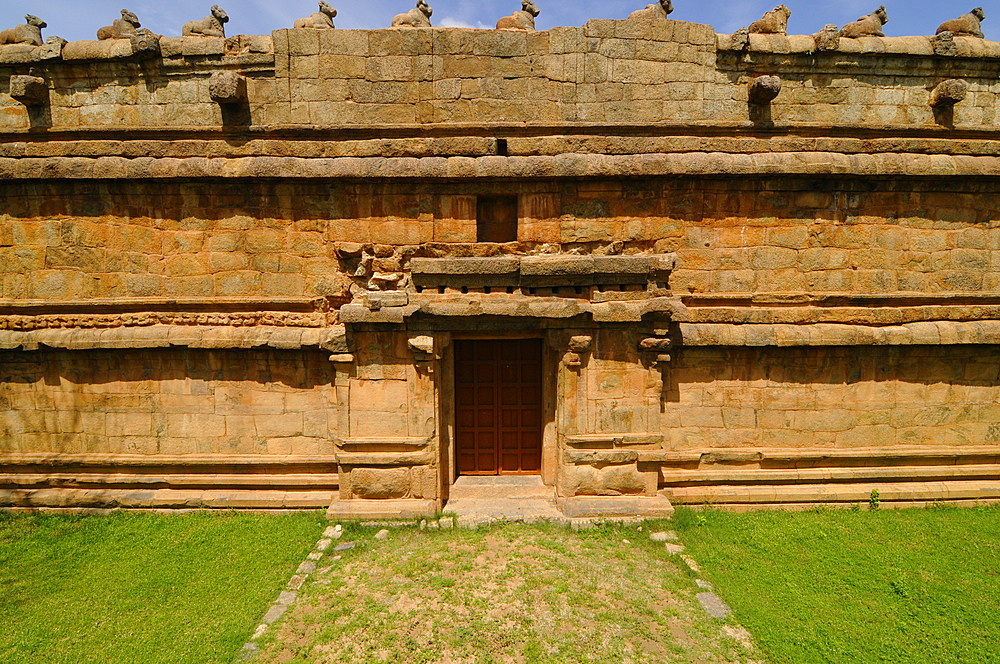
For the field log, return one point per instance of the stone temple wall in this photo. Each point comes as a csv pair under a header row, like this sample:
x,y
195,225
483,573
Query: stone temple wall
x,y
223,428
231,270
619,72
78,240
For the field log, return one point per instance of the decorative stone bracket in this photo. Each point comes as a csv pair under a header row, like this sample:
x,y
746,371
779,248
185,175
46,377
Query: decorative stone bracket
x,y
32,91
578,345
763,89
422,347
948,93
339,347
657,348
227,88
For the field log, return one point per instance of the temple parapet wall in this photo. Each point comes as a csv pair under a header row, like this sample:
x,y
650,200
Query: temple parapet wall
x,y
624,72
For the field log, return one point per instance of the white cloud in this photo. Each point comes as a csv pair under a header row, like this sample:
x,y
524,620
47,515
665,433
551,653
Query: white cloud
x,y
451,22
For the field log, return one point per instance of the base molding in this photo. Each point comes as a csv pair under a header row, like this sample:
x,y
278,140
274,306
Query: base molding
x,y
161,499
576,507
358,508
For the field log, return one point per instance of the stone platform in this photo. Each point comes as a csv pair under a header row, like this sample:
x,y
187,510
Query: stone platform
x,y
478,500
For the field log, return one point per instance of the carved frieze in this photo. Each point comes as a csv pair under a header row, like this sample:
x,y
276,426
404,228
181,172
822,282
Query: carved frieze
x,y
143,319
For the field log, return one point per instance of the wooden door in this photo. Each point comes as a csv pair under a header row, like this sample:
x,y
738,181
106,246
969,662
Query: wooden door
x,y
498,407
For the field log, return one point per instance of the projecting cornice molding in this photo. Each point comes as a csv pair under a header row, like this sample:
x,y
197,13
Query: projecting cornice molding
x,y
564,165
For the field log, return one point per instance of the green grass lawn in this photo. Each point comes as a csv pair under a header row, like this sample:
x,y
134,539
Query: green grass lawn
x,y
134,588
908,586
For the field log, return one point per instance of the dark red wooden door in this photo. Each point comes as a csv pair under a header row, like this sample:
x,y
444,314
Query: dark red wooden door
x,y
498,407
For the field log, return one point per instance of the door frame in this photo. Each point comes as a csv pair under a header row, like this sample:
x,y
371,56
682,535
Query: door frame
x,y
550,364
498,449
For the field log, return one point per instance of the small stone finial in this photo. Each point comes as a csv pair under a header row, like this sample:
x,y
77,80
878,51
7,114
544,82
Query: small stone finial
x,y
30,90
227,87
948,93
944,44
120,28
30,32
966,25
763,89
828,39
740,40
524,19
774,22
418,17
321,20
660,10
869,25
213,25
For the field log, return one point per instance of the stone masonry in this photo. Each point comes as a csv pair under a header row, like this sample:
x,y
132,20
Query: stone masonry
x,y
764,269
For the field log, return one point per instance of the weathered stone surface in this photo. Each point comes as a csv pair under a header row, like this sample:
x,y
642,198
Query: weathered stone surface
x,y
29,90
383,483
473,266
966,25
321,20
419,17
948,93
773,22
520,20
763,89
337,216
30,32
421,344
97,50
213,25
227,87
869,25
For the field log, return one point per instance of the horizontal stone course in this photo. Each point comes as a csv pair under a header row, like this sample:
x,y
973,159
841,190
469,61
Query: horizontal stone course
x,y
565,165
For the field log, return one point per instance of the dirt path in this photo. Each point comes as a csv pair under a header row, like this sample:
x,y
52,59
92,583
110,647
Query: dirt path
x,y
511,593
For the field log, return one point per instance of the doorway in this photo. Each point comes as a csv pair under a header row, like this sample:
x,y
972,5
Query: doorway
x,y
498,406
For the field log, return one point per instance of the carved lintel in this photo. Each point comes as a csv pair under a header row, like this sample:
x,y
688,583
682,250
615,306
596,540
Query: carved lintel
x,y
29,90
227,87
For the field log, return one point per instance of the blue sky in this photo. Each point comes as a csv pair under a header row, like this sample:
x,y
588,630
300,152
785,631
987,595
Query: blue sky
x,y
79,19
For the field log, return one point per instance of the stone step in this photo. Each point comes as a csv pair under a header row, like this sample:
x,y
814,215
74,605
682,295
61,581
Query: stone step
x,y
491,493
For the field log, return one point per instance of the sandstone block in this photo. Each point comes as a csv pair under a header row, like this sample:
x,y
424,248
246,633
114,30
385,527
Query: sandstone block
x,y
380,483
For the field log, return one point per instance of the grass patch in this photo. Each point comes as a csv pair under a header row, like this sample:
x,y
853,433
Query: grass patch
x,y
911,586
135,588
500,594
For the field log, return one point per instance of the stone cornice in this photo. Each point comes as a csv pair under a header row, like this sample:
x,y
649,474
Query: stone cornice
x,y
559,166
